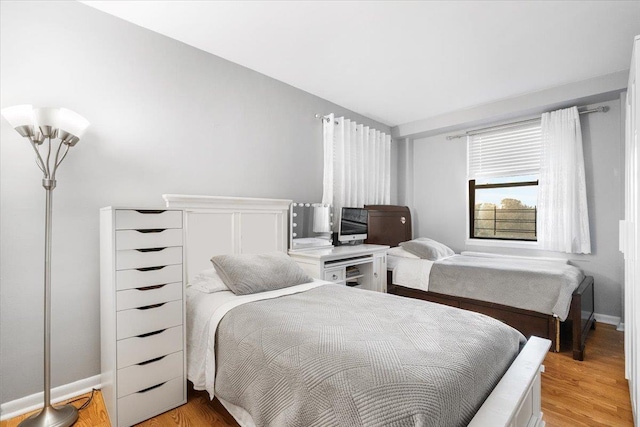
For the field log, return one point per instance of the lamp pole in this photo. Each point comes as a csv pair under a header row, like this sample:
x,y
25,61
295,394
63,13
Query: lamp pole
x,y
47,290
49,416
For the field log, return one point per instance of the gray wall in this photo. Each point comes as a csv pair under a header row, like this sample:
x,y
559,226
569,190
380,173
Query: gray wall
x,y
440,200
165,118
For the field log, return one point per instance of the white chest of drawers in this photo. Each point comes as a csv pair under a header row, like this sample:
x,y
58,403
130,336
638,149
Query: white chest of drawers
x,y
141,313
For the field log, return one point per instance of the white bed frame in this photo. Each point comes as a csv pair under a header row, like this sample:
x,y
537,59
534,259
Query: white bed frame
x,y
233,225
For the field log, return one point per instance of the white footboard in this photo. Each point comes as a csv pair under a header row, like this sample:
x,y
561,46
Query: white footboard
x,y
515,402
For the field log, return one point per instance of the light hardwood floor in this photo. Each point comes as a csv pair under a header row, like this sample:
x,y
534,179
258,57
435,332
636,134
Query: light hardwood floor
x,y
589,393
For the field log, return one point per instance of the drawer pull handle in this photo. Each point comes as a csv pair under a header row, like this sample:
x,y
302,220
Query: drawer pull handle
x,y
152,387
150,288
150,211
146,362
160,267
147,307
151,250
148,334
151,230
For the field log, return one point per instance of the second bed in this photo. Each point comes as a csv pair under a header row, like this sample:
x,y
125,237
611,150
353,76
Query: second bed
x,y
538,297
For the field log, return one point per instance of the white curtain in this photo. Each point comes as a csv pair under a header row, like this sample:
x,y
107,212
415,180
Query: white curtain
x,y
563,220
357,165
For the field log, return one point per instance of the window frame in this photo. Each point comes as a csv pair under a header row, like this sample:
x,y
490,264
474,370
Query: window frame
x,y
472,187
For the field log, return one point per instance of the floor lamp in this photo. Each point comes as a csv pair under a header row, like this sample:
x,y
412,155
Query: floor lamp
x,y
39,125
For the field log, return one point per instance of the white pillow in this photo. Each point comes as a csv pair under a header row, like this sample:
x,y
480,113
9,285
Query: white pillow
x,y
208,281
401,252
427,248
246,274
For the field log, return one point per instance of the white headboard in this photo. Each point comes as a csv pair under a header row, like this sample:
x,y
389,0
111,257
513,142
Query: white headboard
x,y
229,225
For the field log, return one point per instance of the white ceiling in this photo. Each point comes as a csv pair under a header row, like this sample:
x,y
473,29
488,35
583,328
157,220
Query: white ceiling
x,y
401,61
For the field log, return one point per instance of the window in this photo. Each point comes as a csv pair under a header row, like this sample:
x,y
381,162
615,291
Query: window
x,y
503,182
504,208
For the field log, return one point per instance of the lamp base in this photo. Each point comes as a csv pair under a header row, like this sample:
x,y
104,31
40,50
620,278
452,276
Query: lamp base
x,y
61,416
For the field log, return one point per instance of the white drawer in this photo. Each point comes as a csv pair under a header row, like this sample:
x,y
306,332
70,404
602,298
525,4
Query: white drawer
x,y
153,238
128,279
336,275
139,406
138,349
149,373
140,297
129,219
138,321
149,258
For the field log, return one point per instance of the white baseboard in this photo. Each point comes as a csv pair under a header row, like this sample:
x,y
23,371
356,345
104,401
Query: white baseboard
x,y
605,318
36,401
620,327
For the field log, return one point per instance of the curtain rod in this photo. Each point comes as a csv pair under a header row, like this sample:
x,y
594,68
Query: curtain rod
x,y
321,117
600,109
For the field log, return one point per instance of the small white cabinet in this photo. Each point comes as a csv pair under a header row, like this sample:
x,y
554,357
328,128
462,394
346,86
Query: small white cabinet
x,y
361,266
142,313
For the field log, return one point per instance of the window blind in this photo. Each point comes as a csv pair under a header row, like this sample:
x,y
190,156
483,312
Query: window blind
x,y
512,151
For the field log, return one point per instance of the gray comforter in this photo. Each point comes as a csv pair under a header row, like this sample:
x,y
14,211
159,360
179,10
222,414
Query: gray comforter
x,y
537,285
337,356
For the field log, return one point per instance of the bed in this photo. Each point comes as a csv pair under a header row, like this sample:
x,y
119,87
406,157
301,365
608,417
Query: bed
x,y
391,225
327,354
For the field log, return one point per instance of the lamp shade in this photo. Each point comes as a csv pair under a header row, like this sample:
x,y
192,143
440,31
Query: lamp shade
x,y
19,115
46,116
46,120
72,123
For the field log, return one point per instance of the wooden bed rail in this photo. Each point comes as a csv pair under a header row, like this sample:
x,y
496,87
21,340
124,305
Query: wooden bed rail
x,y
582,316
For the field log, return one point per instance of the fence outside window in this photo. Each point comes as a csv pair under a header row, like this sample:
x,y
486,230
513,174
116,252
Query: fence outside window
x,y
497,223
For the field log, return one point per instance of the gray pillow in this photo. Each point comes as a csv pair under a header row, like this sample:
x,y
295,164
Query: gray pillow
x,y
427,249
252,273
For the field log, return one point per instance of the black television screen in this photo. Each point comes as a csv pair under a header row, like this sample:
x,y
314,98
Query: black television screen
x,y
353,224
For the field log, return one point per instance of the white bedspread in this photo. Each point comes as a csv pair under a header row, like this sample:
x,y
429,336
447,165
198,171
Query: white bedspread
x,y
410,273
204,313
